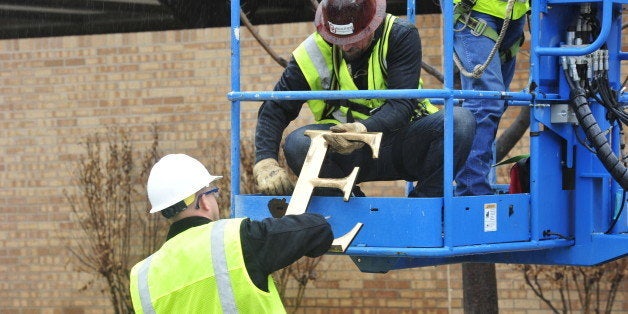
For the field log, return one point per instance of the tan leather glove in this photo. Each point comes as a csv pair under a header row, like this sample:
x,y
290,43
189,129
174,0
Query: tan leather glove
x,y
271,179
341,145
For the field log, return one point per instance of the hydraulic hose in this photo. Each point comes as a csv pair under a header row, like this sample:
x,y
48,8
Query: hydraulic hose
x,y
597,137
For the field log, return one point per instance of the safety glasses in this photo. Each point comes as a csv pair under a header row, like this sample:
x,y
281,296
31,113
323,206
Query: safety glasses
x,y
214,191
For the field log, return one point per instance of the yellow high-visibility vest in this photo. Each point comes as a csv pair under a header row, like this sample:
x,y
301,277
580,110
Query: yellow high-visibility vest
x,y
322,63
497,8
201,270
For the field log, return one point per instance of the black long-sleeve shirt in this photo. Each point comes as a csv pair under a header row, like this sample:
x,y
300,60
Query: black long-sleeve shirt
x,y
273,243
403,68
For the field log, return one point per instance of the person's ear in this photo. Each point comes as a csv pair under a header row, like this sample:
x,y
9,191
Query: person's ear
x,y
204,202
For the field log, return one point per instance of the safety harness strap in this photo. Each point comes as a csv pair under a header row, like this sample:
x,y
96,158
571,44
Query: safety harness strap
x,y
463,7
478,27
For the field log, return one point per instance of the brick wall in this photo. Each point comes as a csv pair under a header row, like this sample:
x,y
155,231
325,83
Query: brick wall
x,y
56,91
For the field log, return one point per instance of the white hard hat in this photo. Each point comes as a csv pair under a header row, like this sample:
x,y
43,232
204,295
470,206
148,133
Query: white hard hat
x,y
174,178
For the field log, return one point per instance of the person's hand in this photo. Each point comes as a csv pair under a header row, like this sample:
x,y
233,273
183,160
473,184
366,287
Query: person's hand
x,y
341,145
271,179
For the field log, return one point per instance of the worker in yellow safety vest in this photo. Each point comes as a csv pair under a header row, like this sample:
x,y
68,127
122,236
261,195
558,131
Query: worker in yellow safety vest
x,y
213,265
357,46
487,37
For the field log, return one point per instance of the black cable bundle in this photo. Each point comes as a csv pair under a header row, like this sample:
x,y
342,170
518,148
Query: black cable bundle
x,y
595,135
608,100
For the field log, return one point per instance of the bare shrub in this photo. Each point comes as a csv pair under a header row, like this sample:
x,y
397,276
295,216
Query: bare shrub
x,y
595,288
109,206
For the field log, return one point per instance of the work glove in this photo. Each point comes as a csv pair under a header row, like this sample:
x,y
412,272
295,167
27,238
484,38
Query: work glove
x,y
341,145
278,207
271,179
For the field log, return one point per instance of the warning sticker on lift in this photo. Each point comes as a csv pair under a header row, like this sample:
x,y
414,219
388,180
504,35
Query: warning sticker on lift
x,y
490,217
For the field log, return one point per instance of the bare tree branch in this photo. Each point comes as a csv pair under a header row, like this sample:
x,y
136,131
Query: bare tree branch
x,y
245,20
432,71
530,275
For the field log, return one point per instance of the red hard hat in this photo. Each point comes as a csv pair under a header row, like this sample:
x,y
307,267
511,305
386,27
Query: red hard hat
x,y
343,22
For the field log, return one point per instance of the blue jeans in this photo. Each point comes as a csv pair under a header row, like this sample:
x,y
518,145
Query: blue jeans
x,y
472,50
414,153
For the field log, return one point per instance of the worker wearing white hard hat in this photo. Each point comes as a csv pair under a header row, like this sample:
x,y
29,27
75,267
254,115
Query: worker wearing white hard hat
x,y
173,181
213,265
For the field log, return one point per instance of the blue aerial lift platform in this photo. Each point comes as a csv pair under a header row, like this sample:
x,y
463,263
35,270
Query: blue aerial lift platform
x,y
574,213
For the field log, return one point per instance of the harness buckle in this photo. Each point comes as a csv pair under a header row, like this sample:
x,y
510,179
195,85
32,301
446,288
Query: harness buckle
x,y
479,27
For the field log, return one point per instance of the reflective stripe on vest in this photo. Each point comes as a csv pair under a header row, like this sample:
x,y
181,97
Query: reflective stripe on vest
x,y
319,62
315,58
201,270
221,271
142,283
